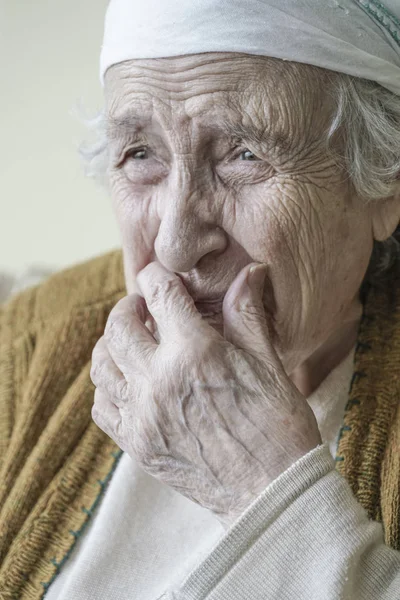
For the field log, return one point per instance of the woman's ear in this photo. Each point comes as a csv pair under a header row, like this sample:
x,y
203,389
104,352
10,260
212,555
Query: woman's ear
x,y
386,216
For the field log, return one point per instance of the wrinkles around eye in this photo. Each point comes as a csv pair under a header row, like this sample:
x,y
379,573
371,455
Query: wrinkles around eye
x,y
142,166
142,154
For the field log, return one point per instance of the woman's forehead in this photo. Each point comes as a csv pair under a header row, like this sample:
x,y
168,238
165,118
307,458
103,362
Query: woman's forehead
x,y
207,84
252,98
221,71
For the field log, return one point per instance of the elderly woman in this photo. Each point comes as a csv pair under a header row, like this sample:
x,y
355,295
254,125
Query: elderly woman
x,y
242,438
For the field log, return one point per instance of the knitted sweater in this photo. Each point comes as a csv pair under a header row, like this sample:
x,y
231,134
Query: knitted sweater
x,y
145,537
55,463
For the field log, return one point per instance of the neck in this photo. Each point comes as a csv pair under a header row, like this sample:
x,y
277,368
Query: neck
x,y
312,372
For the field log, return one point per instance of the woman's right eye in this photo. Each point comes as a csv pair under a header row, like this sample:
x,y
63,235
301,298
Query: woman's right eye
x,y
137,153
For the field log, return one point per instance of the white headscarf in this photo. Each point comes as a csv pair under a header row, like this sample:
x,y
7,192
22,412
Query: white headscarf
x,y
357,37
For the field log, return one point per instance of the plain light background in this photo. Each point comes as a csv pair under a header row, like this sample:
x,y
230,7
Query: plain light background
x,y
50,213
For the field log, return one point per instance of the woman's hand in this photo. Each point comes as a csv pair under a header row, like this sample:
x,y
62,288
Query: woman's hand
x,y
214,417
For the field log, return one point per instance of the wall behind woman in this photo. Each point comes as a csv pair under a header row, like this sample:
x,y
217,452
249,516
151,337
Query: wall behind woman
x,y
50,213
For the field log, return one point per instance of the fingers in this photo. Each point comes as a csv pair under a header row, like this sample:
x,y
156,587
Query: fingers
x,y
130,344
246,324
168,301
106,376
107,417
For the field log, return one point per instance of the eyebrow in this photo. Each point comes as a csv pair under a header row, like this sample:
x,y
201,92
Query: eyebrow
x,y
127,123
130,123
239,131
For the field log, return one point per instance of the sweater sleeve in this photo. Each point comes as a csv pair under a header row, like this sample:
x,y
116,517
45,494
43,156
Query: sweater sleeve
x,y
16,350
305,537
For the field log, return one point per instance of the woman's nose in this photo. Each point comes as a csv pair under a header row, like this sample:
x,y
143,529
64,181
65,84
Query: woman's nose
x,y
188,231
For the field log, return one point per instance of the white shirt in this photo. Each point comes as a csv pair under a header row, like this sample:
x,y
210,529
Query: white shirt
x,y
297,540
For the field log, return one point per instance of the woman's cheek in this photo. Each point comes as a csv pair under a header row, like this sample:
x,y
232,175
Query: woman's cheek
x,y
144,173
132,204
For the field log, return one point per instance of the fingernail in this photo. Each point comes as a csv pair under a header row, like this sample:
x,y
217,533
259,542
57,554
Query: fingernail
x,y
256,277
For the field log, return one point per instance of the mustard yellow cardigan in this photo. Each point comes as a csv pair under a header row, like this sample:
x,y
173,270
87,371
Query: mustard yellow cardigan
x,y
55,463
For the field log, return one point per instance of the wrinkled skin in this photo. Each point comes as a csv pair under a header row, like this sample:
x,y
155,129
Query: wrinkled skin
x,y
216,407
215,418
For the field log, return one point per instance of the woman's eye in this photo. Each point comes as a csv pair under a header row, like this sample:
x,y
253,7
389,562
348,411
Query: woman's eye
x,y
247,155
138,154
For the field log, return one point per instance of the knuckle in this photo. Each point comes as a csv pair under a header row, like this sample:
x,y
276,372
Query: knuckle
x,y
119,431
159,290
95,371
157,293
117,326
121,389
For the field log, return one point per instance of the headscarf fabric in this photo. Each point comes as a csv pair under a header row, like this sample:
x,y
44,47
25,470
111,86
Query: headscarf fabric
x,y
357,37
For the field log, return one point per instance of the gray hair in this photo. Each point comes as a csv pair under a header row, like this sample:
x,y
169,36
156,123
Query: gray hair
x,y
366,119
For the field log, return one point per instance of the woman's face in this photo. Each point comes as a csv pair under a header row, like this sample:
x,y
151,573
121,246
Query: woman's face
x,y
218,160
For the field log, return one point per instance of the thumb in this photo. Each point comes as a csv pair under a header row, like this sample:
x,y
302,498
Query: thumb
x,y
246,322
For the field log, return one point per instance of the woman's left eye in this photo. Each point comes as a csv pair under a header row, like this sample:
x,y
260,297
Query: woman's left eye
x,y
248,155
137,153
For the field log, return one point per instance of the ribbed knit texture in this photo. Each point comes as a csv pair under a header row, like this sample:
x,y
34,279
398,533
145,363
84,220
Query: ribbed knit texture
x,y
55,463
368,452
